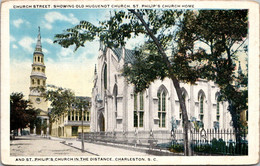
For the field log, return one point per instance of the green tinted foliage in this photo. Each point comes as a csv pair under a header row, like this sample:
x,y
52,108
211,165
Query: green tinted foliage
x,y
21,112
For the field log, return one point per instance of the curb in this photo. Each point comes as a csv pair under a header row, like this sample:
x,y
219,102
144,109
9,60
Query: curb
x,y
71,145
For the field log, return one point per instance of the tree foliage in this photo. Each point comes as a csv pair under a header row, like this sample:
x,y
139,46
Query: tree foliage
x,y
21,112
222,35
62,100
171,45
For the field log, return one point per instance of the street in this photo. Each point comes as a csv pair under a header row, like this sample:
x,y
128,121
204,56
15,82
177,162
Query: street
x,y
39,146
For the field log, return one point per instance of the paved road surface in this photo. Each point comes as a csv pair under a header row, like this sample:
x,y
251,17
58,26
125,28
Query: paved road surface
x,y
103,150
38,146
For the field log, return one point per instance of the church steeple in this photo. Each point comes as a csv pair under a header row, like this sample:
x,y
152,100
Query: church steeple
x,y
38,47
38,77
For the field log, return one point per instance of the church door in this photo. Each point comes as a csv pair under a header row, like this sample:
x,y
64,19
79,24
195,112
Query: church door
x,y
101,121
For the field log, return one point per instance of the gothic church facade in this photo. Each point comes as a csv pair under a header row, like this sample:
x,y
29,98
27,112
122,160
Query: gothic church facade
x,y
116,107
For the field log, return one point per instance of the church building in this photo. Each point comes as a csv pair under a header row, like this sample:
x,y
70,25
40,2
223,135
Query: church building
x,y
117,108
38,79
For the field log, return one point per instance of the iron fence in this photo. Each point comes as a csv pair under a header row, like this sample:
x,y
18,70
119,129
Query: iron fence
x,y
202,142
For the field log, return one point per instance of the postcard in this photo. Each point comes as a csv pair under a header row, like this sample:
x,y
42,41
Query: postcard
x,y
129,82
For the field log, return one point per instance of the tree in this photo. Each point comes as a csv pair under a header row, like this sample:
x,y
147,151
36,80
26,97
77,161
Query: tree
x,y
21,114
124,25
224,34
62,101
163,31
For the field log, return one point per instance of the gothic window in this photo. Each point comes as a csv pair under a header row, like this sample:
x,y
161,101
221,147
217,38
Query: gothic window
x,y
184,99
161,107
105,76
139,110
115,97
135,111
217,113
201,106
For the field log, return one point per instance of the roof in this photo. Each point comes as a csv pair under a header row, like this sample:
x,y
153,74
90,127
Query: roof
x,y
129,54
38,47
84,98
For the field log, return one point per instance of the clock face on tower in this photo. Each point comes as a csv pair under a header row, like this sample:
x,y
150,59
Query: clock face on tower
x,y
38,100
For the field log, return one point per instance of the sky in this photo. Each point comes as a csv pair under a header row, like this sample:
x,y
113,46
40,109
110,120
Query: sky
x,y
64,67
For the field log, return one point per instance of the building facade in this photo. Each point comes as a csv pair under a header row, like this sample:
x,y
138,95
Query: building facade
x,y
116,107
70,123
38,79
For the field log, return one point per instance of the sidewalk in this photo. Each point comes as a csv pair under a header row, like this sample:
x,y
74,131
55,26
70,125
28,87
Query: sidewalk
x,y
103,150
108,149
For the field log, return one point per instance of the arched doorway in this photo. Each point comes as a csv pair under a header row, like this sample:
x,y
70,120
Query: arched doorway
x,y
101,121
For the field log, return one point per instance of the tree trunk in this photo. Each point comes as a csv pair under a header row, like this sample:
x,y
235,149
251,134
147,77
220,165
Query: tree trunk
x,y
174,80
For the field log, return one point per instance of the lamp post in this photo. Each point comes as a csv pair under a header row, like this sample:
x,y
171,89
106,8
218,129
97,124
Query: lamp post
x,y
82,105
82,131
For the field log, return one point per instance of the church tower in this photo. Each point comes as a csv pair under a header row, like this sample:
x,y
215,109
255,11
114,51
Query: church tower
x,y
38,79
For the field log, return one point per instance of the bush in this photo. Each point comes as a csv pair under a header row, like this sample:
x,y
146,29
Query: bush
x,y
177,148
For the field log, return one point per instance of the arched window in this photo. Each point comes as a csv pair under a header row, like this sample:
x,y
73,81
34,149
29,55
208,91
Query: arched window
x,y
32,81
33,68
201,103
139,110
34,59
41,59
184,99
115,92
38,69
217,113
38,82
43,83
161,107
105,76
